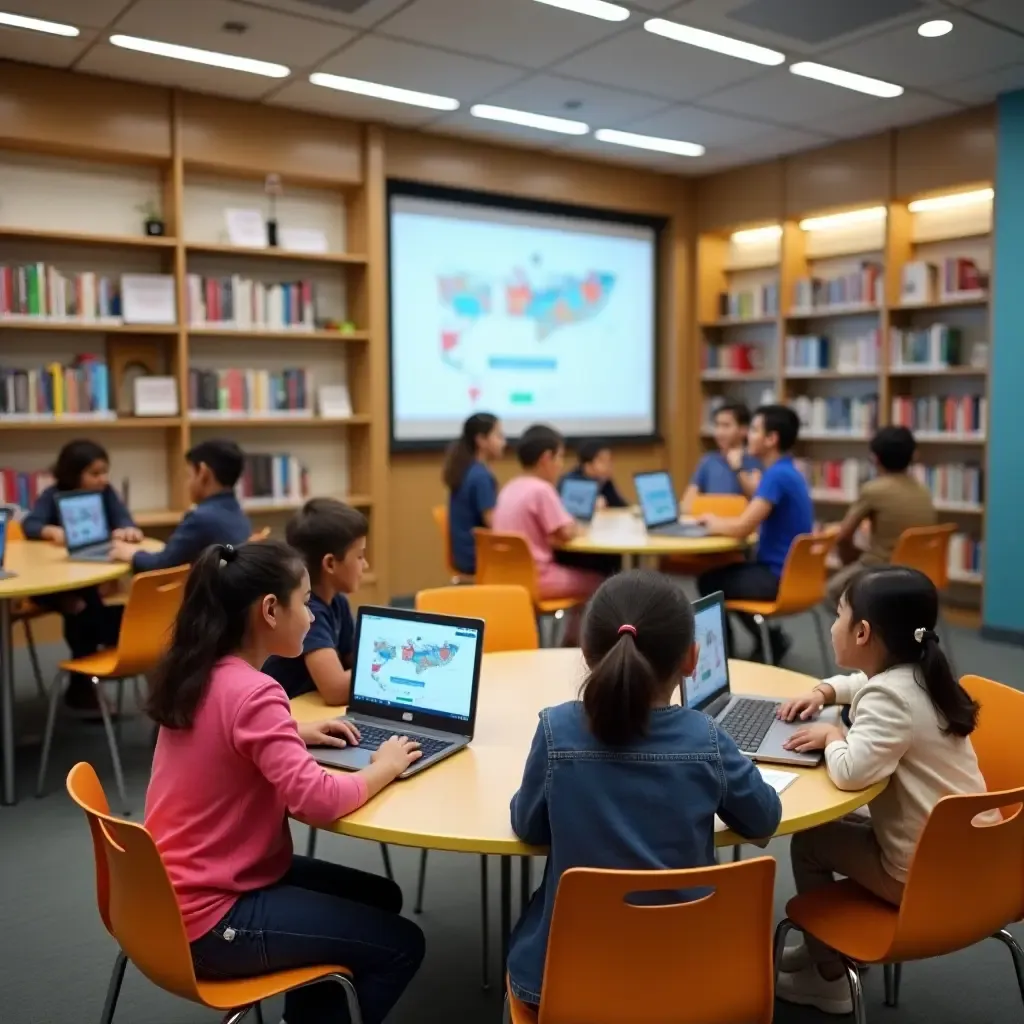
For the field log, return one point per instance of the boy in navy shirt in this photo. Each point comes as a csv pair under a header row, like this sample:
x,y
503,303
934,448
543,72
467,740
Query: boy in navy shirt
x,y
331,537
781,508
594,462
732,469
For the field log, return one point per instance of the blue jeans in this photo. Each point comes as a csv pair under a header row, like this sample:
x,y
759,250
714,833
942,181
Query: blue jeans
x,y
319,913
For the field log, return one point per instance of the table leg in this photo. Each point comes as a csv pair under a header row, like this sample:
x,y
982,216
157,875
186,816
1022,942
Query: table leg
x,y
506,911
7,701
628,561
525,886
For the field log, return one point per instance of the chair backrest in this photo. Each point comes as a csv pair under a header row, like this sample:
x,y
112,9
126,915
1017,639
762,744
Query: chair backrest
x,y
505,558
440,514
15,531
507,610
705,961
997,738
87,791
143,914
153,603
260,535
802,584
728,505
965,881
926,548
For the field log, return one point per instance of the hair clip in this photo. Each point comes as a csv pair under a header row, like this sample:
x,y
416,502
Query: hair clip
x,y
228,553
920,635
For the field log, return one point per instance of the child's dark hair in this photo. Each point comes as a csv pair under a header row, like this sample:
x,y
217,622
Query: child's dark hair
x,y
225,459
462,451
900,605
590,449
780,420
73,460
637,631
223,585
737,410
537,440
324,526
894,448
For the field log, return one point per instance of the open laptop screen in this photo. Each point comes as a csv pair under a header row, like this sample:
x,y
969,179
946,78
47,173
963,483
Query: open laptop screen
x,y
84,519
657,498
711,679
579,497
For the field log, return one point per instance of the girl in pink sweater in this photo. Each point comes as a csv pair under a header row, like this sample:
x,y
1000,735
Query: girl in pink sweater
x,y
231,765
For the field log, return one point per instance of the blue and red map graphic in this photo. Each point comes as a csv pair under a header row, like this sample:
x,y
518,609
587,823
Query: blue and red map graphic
x,y
420,653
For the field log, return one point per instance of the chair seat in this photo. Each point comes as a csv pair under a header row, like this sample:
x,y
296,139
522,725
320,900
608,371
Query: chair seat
x,y
519,1012
848,918
765,608
231,995
102,664
27,609
549,606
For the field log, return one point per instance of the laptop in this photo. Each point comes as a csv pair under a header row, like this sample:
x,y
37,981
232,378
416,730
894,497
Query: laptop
x,y
86,530
579,496
749,720
660,509
5,518
414,674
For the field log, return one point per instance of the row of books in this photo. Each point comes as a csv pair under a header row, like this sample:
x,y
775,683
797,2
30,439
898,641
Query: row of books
x,y
944,414
241,303
856,416
921,281
953,482
79,389
749,302
21,488
937,346
965,555
840,475
739,356
269,479
40,290
246,392
860,287
815,352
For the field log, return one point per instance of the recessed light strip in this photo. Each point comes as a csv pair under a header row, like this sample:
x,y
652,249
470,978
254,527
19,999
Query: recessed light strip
x,y
594,8
53,28
196,56
846,79
713,41
934,29
384,92
981,195
752,236
651,142
528,120
840,220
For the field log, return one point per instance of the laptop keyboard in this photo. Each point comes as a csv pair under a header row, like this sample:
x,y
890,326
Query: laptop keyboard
x,y
371,738
748,722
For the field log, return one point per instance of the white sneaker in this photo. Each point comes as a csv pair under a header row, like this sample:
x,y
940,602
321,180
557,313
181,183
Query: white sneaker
x,y
808,988
795,958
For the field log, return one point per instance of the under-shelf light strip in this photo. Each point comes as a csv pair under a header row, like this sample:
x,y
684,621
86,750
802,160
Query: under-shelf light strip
x,y
981,195
844,219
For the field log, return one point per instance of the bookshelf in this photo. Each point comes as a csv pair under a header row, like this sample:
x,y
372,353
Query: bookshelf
x,y
882,317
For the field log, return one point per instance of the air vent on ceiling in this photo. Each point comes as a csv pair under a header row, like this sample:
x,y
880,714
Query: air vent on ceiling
x,y
339,6
819,21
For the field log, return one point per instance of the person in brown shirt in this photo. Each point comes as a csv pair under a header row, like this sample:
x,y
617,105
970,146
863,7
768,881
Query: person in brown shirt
x,y
893,501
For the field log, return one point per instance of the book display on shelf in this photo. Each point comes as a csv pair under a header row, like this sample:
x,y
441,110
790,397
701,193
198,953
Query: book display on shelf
x,y
237,393
863,287
80,390
837,416
738,357
939,346
749,303
965,558
810,354
836,478
953,484
959,416
239,303
39,291
959,278
22,488
271,480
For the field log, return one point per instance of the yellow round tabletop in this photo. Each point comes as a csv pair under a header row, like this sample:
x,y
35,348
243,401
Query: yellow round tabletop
x,y
462,803
622,532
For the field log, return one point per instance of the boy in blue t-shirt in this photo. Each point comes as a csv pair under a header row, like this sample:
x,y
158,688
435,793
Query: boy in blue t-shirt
x,y
331,537
731,469
781,508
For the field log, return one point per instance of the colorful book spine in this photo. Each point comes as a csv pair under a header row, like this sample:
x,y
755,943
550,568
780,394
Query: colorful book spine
x,y
243,304
965,556
846,417
80,390
737,357
955,483
749,303
956,415
22,488
39,291
838,478
862,287
250,392
936,347
272,479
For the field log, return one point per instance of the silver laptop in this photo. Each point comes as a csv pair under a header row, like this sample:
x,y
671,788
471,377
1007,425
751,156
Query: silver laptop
x,y
749,720
660,507
579,496
5,518
414,674
86,529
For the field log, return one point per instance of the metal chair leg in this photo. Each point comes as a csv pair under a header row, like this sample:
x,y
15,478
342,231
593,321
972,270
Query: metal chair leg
x,y
51,723
421,882
856,991
387,862
311,842
1018,956
115,755
485,928
114,988
236,1016
259,1013
893,975
355,1013
823,643
785,926
766,639
737,854
33,656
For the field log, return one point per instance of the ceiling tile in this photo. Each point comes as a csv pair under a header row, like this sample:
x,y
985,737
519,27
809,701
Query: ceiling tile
x,y
516,31
329,10
652,64
983,88
691,124
878,115
37,48
777,143
302,95
654,6
1007,12
905,57
80,13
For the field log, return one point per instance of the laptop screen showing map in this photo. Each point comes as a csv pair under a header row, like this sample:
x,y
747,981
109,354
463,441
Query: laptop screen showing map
x,y
712,676
416,663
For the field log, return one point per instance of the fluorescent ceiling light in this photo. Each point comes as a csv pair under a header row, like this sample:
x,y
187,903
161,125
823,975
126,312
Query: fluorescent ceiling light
x,y
384,92
54,28
932,29
751,236
713,41
595,8
846,79
981,195
676,146
525,118
211,57
838,220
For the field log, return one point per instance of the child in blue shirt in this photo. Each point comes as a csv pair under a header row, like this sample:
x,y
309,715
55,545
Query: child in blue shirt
x,y
731,469
472,488
331,537
781,509
623,778
594,462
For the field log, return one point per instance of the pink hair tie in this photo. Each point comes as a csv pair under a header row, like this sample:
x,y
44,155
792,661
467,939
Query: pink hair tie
x,y
628,629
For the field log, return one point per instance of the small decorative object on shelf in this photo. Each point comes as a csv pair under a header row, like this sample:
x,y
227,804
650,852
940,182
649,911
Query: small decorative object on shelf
x,y
155,396
153,222
272,186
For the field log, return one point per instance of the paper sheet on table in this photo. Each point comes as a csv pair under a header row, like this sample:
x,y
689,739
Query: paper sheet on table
x,y
778,781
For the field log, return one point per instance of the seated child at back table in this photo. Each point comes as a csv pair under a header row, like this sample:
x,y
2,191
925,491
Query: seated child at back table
x,y
331,537
731,469
594,462
623,778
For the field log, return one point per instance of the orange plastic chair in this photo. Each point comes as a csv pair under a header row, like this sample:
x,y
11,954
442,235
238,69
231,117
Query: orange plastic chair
x,y
718,505
706,961
801,590
153,603
996,740
144,918
506,609
729,505
933,919
440,514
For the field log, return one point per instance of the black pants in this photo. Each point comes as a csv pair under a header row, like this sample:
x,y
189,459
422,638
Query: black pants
x,y
319,913
605,565
744,581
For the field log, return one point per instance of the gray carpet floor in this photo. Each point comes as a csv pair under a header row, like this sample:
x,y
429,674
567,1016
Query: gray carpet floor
x,y
55,956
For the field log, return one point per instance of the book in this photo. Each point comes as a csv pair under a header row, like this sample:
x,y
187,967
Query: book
x,y
863,287
956,415
272,479
214,394
960,275
80,390
242,304
39,291
857,417
837,477
917,282
741,357
965,556
957,483
937,347
23,488
749,303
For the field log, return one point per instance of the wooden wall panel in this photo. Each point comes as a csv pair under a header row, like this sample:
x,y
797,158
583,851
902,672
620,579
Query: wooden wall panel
x,y
947,153
845,174
740,197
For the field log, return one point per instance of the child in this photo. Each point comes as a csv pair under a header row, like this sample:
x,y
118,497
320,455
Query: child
x,y
781,507
594,462
893,502
231,764
472,489
212,470
331,537
910,724
88,623
622,778
730,470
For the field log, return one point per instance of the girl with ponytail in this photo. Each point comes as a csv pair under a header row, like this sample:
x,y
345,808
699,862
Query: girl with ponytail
x,y
910,723
624,778
231,765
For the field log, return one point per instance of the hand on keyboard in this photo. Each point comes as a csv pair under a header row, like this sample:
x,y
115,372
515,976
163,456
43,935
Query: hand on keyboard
x,y
397,753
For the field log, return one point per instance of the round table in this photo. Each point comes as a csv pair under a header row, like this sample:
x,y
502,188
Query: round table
x,y
39,567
